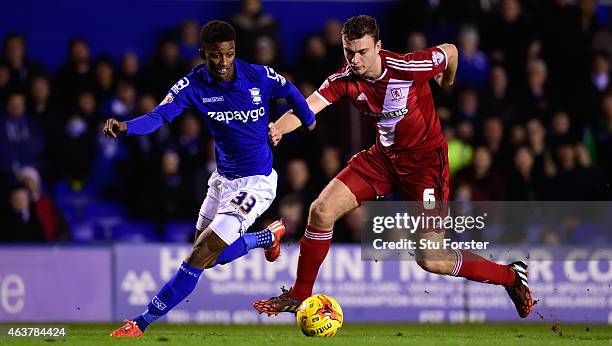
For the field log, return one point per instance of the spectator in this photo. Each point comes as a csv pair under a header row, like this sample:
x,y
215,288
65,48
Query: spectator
x,y
21,138
493,135
574,174
485,184
416,41
265,53
22,69
332,34
130,69
522,185
536,138
474,67
123,104
53,223
39,105
292,210
5,80
507,34
75,75
599,84
189,40
297,179
313,66
75,159
331,164
467,106
600,74
173,190
22,224
497,96
190,145
460,150
86,106
349,228
562,129
538,100
602,138
104,76
250,24
165,69
518,135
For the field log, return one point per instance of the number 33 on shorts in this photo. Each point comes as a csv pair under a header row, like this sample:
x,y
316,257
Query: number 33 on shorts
x,y
244,202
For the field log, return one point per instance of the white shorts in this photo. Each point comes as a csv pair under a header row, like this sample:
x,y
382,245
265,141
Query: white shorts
x,y
244,199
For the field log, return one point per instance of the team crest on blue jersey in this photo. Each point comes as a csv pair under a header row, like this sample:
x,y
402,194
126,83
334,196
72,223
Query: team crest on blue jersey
x,y
168,99
255,95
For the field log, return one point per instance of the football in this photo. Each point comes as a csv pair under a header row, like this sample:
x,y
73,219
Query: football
x,y
319,315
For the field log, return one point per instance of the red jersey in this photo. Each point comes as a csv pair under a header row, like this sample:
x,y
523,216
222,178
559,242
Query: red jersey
x,y
399,102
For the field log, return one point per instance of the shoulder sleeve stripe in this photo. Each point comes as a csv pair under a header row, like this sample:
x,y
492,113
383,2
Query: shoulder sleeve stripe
x,y
409,61
339,75
327,103
396,66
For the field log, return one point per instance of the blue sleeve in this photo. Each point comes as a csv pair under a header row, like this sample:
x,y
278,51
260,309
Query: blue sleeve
x,y
173,105
282,88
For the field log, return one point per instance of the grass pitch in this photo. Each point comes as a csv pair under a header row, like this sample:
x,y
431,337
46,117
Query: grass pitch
x,y
352,334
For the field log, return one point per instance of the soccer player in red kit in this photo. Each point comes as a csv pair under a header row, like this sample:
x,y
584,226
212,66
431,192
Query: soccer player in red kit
x,y
410,156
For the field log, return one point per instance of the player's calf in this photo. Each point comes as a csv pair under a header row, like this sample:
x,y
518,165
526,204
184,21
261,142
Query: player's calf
x,y
206,250
436,266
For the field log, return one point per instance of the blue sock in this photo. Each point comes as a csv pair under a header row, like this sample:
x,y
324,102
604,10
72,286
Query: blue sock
x,y
173,292
244,244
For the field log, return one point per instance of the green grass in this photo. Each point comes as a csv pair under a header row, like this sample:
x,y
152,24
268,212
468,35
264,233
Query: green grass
x,y
353,335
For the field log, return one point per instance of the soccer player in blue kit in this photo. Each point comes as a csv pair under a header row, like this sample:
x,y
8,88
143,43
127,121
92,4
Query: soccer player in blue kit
x,y
233,96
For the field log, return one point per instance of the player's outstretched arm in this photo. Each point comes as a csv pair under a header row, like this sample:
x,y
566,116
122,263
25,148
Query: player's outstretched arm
x,y
289,122
448,77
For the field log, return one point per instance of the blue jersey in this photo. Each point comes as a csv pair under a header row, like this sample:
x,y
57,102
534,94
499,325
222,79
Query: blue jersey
x,y
236,112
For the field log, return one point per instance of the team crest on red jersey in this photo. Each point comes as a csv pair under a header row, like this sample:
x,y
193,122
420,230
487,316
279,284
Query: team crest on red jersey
x,y
437,58
396,94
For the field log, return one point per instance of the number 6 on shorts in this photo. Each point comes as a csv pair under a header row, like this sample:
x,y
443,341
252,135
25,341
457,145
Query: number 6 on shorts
x,y
429,200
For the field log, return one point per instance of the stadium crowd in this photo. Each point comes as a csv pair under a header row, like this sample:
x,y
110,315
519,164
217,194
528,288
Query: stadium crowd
x,y
529,118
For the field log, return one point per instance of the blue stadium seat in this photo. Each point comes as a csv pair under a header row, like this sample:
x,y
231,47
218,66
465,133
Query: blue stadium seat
x,y
85,232
71,200
135,232
106,215
179,231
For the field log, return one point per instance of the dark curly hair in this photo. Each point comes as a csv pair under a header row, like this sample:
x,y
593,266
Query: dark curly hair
x,y
359,26
217,31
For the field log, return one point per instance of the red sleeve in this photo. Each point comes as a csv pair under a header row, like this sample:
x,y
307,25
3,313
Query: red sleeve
x,y
420,66
333,88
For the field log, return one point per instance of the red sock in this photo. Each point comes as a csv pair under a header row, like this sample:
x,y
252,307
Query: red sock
x,y
473,267
313,249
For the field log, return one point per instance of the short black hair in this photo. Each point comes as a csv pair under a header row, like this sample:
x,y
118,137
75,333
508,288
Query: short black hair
x,y
217,31
358,26
11,36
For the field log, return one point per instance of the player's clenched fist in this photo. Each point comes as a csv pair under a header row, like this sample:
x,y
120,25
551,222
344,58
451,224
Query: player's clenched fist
x,y
114,127
274,135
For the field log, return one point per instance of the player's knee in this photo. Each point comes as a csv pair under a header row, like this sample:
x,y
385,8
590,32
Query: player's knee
x,y
322,211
